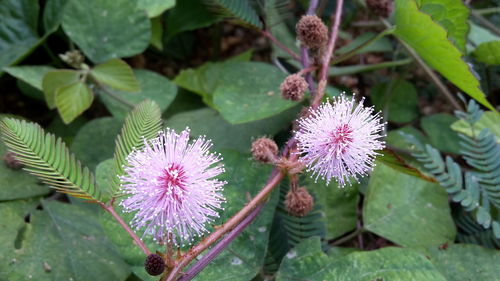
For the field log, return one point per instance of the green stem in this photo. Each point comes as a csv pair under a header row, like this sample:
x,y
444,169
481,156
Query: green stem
x,y
348,237
485,22
113,94
354,51
487,11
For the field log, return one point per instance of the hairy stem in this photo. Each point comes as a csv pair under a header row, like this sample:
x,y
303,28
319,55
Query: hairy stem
x,y
124,225
232,223
430,73
273,39
323,75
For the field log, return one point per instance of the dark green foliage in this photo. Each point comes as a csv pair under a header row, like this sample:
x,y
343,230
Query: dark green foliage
x,y
477,190
241,10
287,231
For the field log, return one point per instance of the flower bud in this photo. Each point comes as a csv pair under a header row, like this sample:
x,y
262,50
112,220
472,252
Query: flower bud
x,y
293,87
312,32
73,58
299,202
264,150
154,265
381,8
11,161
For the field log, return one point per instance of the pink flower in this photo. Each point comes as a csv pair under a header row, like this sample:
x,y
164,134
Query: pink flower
x,y
172,187
338,140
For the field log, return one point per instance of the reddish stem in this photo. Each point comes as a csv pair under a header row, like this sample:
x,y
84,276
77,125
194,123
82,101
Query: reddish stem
x,y
323,75
125,226
273,39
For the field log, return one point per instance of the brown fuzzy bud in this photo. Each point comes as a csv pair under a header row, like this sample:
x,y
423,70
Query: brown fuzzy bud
x,y
299,202
293,87
264,150
154,264
312,32
11,161
381,8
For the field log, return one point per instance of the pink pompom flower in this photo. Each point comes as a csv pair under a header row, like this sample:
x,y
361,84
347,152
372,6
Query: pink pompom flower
x,y
171,185
339,140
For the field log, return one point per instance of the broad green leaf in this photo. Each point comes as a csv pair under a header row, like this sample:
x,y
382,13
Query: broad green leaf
x,y
117,74
201,80
16,184
66,131
72,100
208,122
339,206
18,30
106,29
395,139
63,242
31,74
277,26
308,262
195,11
465,262
249,91
381,45
430,41
157,33
398,206
489,120
95,142
437,127
152,86
54,80
488,53
53,13
155,8
49,159
479,35
450,14
240,10
244,257
397,99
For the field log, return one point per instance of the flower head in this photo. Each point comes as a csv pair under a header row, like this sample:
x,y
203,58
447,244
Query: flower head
x,y
338,140
293,87
312,32
172,187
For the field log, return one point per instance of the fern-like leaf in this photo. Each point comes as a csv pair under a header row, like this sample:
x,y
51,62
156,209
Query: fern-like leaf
x,y
240,9
143,122
48,158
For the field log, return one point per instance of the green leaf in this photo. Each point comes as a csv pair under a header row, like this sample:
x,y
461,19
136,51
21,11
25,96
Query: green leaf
x,y
152,86
339,206
308,262
450,14
430,41
196,11
488,53
53,13
106,29
95,142
381,45
18,31
157,33
144,122
54,80
398,206
479,35
63,242
465,262
249,91
398,99
49,159
72,100
155,8
437,127
489,120
31,74
117,74
241,262
395,138
238,9
17,184
208,122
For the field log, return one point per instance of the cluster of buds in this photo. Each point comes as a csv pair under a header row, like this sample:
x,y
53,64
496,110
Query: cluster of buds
x,y
73,58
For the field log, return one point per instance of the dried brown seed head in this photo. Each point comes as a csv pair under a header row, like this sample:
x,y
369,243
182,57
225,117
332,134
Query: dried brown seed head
x,y
154,264
312,32
293,87
299,202
264,150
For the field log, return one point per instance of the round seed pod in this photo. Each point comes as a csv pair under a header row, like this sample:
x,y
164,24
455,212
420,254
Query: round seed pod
x,y
293,87
312,32
299,202
264,150
154,265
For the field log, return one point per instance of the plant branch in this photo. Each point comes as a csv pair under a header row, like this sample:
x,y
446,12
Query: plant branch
x,y
273,39
485,22
323,75
486,11
347,237
232,223
124,225
113,94
304,55
430,73
224,243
